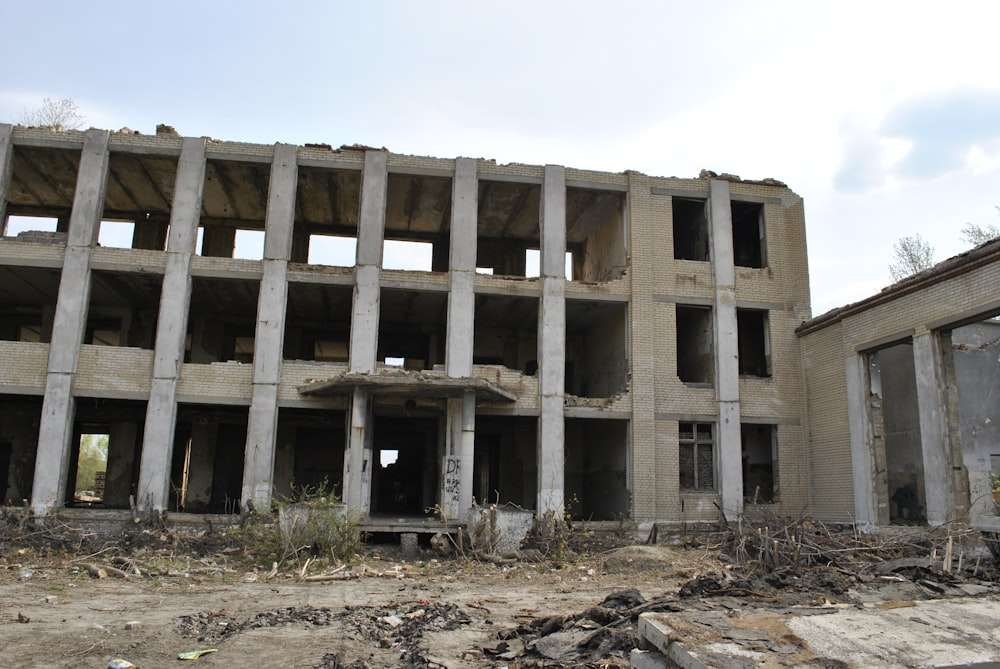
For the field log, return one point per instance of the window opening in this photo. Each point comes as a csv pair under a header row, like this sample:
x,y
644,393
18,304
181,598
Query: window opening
x,y
91,468
752,343
407,255
387,457
249,244
116,234
760,463
697,456
332,250
533,264
690,229
18,224
695,349
748,234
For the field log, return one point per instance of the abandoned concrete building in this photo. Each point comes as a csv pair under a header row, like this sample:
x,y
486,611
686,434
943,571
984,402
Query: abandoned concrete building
x,y
569,344
904,398
612,345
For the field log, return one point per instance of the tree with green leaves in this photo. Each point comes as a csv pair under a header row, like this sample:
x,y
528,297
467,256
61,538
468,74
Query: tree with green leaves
x,y
911,254
93,459
62,114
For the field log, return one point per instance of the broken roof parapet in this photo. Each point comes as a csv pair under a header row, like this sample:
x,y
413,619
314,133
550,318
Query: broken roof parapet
x,y
984,254
401,382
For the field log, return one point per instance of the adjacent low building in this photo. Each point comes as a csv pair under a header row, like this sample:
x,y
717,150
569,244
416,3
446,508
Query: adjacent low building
x,y
904,399
612,345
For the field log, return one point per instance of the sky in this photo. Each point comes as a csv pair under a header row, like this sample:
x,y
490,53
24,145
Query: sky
x,y
884,116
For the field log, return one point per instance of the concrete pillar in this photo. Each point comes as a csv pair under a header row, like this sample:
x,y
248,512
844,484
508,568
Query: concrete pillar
x,y
460,444
56,428
121,464
171,329
364,330
552,346
862,455
371,229
6,160
933,428
727,377
270,333
358,456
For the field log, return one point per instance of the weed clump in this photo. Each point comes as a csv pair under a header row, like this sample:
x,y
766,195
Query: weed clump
x,y
312,525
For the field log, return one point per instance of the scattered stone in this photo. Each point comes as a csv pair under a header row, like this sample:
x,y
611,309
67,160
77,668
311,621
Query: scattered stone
x,y
51,599
133,625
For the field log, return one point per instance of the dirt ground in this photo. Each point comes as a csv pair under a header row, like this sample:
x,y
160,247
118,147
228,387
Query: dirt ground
x,y
383,611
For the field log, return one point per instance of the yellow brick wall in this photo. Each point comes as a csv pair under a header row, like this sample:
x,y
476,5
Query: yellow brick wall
x,y
227,380
22,366
113,369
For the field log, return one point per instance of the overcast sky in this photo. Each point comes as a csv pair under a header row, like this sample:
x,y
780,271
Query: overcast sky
x,y
884,116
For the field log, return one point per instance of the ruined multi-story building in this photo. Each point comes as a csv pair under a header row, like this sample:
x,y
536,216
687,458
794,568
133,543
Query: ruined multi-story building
x,y
612,344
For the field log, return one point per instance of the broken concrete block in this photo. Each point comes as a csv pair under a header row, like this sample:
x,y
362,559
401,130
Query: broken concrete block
x,y
647,659
408,544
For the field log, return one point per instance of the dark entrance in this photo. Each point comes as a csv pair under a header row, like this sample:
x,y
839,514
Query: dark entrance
x,y
406,470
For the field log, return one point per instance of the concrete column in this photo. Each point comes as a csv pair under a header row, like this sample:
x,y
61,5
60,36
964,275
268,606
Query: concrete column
x,y
270,333
6,160
358,456
933,428
460,447
56,428
171,329
371,230
862,456
727,377
364,330
552,346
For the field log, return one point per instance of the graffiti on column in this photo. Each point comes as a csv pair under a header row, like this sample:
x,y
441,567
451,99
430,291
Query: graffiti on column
x,y
453,482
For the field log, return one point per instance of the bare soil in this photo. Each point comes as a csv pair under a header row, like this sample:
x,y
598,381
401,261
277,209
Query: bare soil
x,y
382,611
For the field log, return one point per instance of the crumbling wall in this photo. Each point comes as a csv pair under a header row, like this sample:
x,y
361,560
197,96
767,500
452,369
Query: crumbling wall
x,y
976,354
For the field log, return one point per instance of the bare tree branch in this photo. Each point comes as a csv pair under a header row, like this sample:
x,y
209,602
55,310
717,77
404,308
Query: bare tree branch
x,y
911,255
60,114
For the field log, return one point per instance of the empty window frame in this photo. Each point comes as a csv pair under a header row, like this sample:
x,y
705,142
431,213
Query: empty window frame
x,y
695,349
533,264
690,229
116,234
332,250
748,234
696,450
27,224
407,255
753,343
759,445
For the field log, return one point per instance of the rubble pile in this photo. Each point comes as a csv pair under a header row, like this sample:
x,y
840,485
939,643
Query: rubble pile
x,y
212,626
